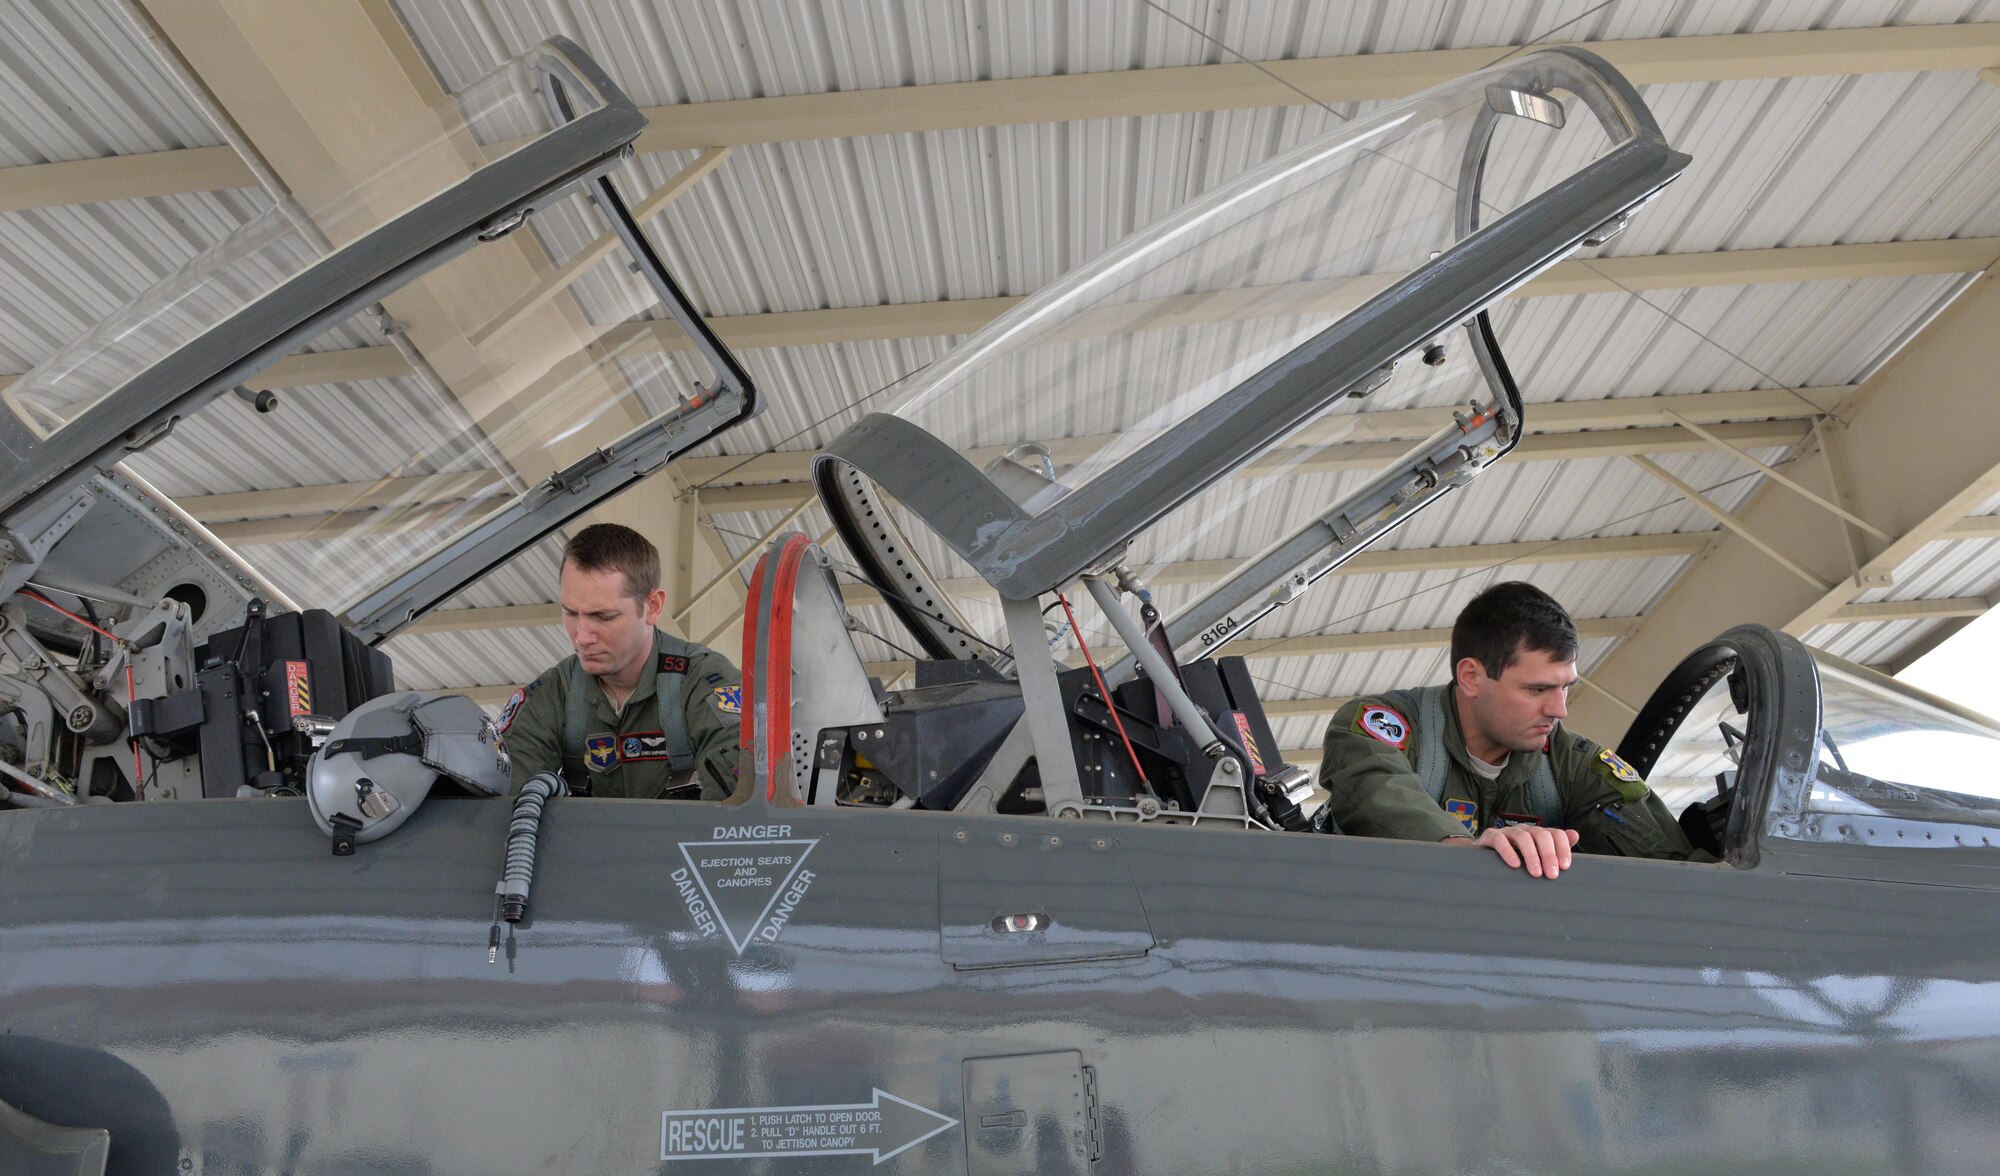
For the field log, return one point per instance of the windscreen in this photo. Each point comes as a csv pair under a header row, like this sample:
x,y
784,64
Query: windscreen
x,y
1888,756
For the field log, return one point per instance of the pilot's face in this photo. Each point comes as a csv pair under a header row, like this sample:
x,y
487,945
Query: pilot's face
x,y
610,629
1517,710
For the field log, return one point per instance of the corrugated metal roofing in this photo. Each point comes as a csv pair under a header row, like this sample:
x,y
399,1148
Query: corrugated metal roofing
x,y
68,267
78,82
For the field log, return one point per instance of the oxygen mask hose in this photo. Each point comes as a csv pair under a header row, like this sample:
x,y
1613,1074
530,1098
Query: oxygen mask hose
x,y
510,894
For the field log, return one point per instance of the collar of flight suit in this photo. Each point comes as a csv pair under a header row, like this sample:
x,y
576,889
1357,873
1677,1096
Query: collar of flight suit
x,y
649,678
1519,766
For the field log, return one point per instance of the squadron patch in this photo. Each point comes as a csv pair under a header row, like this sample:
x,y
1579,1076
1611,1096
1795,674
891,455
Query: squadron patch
x,y
512,708
1466,812
1621,774
671,663
643,745
728,699
600,752
1379,722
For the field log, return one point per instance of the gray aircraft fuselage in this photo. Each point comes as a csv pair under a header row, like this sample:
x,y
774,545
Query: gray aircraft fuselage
x,y
224,995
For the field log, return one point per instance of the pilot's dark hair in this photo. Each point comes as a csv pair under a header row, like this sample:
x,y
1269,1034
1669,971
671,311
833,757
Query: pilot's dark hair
x,y
609,547
1507,618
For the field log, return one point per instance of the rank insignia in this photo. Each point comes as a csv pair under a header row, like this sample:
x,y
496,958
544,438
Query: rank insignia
x,y
1619,767
1379,722
729,699
601,752
1466,813
643,745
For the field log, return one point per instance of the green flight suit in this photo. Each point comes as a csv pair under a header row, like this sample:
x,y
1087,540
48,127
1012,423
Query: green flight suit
x,y
624,752
1374,789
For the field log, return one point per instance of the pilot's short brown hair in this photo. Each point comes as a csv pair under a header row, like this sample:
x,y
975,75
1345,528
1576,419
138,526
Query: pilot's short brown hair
x,y
609,547
1507,618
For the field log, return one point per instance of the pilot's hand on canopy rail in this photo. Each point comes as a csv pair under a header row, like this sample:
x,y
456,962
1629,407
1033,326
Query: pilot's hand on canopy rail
x,y
1545,852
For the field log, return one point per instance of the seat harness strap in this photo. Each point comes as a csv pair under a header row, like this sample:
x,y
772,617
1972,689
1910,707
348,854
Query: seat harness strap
x,y
667,688
1433,761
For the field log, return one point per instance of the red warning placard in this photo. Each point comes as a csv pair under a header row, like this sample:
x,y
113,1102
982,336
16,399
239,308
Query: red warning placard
x,y
298,688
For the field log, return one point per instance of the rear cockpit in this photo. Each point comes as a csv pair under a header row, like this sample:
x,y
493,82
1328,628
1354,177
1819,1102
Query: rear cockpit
x,y
1192,385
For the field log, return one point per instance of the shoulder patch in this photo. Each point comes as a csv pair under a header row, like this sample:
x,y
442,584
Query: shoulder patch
x,y
727,699
1466,813
1384,724
511,708
673,663
1622,775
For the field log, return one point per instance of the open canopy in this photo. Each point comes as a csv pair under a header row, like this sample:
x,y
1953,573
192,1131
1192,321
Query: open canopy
x,y
1192,375
558,364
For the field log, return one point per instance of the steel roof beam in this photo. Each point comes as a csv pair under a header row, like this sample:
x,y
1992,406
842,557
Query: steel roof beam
x,y
1607,275
1715,511
1116,94
1332,80
1780,477
1611,413
1735,267
1618,412
1373,455
1918,448
1369,563
123,177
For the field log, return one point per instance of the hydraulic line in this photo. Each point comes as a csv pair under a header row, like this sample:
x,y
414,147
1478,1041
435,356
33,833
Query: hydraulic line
x,y
1164,680
39,789
1110,704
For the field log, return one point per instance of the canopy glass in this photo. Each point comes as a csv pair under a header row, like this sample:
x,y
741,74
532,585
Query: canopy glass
x,y
1223,369
478,399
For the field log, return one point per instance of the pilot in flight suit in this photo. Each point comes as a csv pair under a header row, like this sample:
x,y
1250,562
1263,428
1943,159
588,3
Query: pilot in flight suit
x,y
1485,757
633,711
628,752
1376,790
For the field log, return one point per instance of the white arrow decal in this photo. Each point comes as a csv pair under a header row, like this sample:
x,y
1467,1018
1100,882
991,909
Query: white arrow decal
x,y
883,1127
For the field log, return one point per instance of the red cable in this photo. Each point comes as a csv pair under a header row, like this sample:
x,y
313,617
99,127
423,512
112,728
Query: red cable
x,y
39,598
1104,692
131,701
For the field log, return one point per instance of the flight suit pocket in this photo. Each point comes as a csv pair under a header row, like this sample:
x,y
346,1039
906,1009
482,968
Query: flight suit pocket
x,y
1615,827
